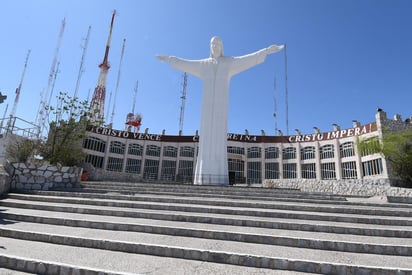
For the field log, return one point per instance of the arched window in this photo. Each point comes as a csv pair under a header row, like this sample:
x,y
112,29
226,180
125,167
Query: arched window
x,y
117,147
347,149
236,150
187,151
327,151
153,150
271,153
170,151
95,144
254,152
307,152
135,149
289,153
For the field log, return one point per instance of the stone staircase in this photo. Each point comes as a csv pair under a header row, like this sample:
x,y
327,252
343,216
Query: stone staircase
x,y
142,228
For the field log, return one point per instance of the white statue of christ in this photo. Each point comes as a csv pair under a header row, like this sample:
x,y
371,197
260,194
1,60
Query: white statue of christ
x,y
216,71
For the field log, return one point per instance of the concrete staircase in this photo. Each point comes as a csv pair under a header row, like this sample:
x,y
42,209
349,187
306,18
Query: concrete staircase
x,y
142,228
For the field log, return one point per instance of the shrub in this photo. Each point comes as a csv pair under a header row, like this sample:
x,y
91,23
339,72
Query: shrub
x,y
66,132
20,149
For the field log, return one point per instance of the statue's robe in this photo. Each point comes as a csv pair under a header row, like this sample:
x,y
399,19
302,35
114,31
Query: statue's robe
x,y
212,162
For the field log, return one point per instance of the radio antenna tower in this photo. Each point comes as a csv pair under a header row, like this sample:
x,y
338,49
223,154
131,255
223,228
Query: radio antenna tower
x,y
41,113
81,70
117,84
18,90
182,106
97,104
135,96
132,119
109,104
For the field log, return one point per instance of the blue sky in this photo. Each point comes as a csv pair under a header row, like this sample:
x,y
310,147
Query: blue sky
x,y
344,58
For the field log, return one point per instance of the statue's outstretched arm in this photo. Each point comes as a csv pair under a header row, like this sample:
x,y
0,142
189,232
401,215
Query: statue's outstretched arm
x,y
164,58
190,66
245,62
274,49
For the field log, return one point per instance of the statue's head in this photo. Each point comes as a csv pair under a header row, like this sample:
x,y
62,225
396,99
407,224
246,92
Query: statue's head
x,y
216,47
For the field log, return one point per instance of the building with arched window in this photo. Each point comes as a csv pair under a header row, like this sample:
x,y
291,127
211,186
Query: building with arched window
x,y
320,156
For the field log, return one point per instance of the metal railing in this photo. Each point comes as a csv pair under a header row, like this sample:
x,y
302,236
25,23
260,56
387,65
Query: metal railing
x,y
18,126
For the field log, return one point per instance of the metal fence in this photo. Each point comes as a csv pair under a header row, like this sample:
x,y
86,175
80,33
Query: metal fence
x,y
19,127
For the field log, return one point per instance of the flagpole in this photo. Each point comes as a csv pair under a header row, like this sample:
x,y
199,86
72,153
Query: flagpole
x,y
275,111
286,92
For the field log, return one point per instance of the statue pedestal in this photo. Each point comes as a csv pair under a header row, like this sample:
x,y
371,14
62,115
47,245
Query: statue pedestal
x,y
208,179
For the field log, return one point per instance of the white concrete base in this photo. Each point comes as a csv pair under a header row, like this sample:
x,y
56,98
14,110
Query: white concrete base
x,y
207,179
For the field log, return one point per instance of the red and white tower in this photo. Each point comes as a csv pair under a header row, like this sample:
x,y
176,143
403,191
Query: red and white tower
x,y
99,95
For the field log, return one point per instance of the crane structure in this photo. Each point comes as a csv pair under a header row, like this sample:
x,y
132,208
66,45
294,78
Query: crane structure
x,y
18,90
182,106
117,85
44,97
98,99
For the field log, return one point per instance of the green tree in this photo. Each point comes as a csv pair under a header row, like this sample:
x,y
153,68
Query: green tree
x,y
396,147
64,142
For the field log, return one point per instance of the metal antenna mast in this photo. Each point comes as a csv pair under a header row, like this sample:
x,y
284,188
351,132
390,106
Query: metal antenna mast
x,y
132,119
117,84
81,70
99,95
135,96
16,99
42,113
58,116
182,107
4,117
108,104
53,83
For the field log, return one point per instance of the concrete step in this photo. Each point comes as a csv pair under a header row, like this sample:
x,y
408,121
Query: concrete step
x,y
219,215
323,241
210,206
48,258
206,191
306,228
225,252
196,232
189,187
263,222
350,203
6,271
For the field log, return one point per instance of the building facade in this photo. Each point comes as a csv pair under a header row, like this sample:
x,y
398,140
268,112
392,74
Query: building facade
x,y
252,159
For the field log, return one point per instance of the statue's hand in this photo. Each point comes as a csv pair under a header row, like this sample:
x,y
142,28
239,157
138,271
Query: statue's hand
x,y
274,48
164,58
